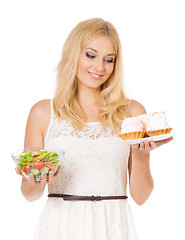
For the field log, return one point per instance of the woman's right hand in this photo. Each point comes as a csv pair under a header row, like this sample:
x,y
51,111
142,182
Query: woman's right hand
x,y
43,181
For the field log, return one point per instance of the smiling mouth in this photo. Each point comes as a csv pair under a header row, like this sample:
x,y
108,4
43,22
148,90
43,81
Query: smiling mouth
x,y
95,76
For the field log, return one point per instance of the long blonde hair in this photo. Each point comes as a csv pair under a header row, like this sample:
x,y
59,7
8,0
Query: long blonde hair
x,y
114,102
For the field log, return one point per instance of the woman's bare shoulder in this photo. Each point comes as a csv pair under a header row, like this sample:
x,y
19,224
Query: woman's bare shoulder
x,y
135,108
41,109
40,114
37,124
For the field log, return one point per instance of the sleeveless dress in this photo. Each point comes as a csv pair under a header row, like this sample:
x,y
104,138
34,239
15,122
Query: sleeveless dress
x,y
95,163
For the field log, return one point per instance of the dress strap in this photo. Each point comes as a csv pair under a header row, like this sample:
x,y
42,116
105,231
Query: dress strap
x,y
51,105
51,120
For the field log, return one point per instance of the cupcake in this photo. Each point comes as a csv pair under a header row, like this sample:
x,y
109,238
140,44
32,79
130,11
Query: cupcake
x,y
132,128
155,123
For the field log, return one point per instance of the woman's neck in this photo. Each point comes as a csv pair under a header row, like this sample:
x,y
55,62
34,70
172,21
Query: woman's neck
x,y
89,97
89,100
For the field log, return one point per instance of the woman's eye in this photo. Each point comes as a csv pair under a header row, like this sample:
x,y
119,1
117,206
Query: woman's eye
x,y
90,56
109,60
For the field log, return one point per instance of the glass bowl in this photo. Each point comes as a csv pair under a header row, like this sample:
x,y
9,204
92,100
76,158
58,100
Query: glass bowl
x,y
37,160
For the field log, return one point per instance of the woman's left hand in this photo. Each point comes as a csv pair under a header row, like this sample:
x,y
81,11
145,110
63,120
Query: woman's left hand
x,y
148,146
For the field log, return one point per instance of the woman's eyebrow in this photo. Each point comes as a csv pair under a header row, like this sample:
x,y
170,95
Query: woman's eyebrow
x,y
111,54
92,49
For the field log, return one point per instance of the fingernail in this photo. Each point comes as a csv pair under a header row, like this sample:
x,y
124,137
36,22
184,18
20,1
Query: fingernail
x,y
43,174
31,174
50,173
146,143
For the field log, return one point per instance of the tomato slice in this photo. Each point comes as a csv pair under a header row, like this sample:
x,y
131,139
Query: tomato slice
x,y
38,164
36,155
51,168
27,169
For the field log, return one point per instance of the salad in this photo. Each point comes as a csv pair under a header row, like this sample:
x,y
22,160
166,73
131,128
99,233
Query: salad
x,y
38,162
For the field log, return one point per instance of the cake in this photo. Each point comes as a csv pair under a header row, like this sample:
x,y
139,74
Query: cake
x,y
155,123
132,128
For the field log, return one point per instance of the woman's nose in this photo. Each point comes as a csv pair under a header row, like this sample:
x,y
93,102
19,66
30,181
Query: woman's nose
x,y
99,65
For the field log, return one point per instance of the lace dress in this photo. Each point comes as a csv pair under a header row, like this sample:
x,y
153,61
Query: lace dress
x,y
95,164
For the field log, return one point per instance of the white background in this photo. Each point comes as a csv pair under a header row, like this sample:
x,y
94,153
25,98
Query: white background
x,y
152,36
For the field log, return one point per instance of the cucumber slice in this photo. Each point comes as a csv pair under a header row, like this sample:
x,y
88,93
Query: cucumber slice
x,y
35,171
44,169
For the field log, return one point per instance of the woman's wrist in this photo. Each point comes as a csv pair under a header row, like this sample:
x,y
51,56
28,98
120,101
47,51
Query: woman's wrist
x,y
32,192
140,156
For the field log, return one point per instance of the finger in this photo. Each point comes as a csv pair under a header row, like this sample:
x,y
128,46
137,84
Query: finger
x,y
31,179
50,179
43,179
58,171
18,171
147,146
168,140
142,146
52,175
152,145
161,142
134,147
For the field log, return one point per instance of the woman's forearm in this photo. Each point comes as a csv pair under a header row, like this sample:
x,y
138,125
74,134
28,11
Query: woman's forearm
x,y
141,182
31,193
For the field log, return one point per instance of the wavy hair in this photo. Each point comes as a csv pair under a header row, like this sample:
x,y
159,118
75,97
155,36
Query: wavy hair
x,y
114,104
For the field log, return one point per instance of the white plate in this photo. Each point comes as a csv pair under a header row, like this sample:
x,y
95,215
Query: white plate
x,y
154,138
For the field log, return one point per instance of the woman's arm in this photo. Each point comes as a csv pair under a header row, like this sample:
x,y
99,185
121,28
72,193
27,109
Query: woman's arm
x,y
140,179
37,124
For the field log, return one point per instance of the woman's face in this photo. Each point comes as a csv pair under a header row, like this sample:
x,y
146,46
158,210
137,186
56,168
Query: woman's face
x,y
96,63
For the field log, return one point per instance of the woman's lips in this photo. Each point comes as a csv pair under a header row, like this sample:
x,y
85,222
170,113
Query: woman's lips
x,y
95,75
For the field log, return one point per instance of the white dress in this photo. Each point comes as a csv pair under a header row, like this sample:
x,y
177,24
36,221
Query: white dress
x,y
96,164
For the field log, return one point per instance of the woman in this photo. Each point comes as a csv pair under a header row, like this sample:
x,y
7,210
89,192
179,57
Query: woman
x,y
84,119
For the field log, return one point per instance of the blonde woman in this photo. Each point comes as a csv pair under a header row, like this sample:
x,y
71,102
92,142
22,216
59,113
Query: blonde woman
x,y
87,197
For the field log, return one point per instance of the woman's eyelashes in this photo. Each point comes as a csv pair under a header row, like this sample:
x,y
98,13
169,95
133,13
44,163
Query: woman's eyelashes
x,y
89,55
111,60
